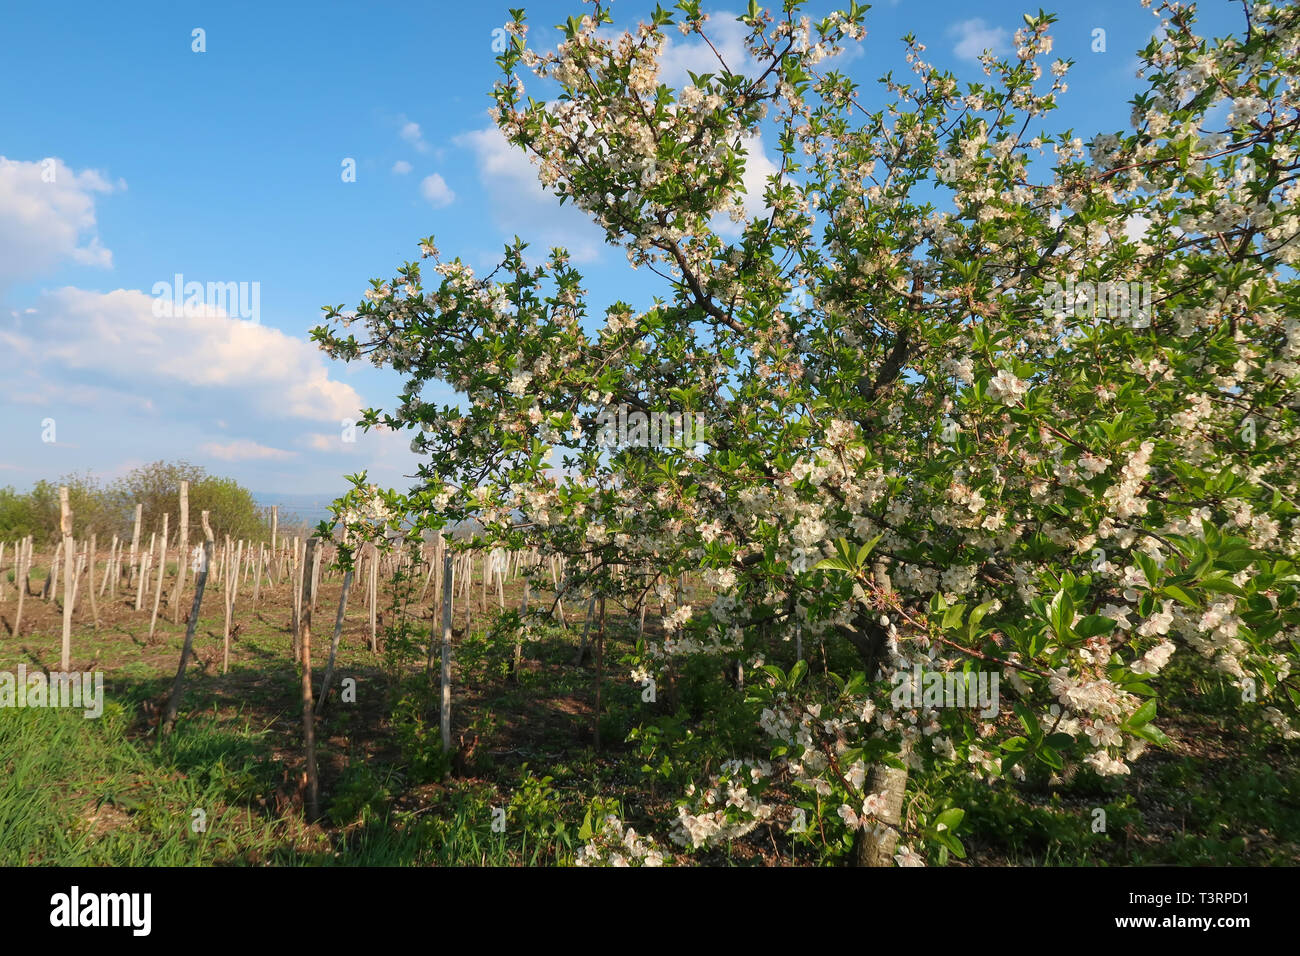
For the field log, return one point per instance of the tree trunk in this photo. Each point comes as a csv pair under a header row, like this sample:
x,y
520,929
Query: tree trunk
x,y
875,846
308,711
200,582
600,668
334,644
445,717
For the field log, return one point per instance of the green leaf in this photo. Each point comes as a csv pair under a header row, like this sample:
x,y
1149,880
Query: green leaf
x,y
864,552
976,616
950,819
1179,595
1094,624
1142,716
1061,611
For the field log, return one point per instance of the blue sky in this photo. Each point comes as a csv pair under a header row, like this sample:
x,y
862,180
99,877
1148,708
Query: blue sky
x,y
226,166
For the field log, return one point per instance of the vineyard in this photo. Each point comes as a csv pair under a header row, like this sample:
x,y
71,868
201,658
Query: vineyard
x,y
814,452
547,728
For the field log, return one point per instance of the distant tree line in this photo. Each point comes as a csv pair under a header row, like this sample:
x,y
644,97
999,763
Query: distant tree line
x,y
108,510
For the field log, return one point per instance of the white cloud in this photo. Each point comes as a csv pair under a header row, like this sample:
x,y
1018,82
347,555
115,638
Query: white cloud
x,y
243,450
435,189
1135,227
521,205
401,167
47,216
209,361
757,170
410,131
324,441
972,37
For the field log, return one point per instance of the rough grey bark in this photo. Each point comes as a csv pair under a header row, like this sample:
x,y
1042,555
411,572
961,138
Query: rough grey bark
x,y
875,846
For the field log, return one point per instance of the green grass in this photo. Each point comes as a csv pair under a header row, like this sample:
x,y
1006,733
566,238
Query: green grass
x,y
79,792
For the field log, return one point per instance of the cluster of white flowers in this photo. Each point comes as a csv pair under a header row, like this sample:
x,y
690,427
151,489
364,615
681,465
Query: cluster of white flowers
x,y
613,845
1153,660
873,805
725,809
1004,387
1123,495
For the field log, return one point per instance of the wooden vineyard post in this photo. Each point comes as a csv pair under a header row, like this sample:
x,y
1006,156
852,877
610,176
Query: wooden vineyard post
x,y
182,551
90,582
76,579
257,575
116,571
308,711
467,592
65,525
435,567
428,577
275,528
20,579
446,648
501,577
162,573
52,582
559,601
200,582
139,581
231,591
315,577
146,563
135,542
